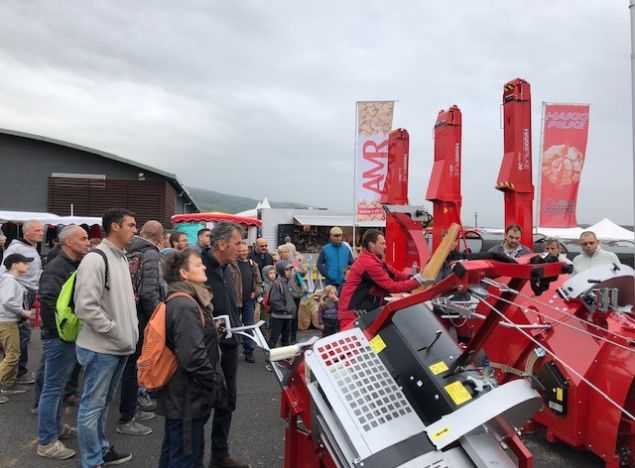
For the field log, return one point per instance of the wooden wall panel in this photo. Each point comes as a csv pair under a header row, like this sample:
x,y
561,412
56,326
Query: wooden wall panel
x,y
148,199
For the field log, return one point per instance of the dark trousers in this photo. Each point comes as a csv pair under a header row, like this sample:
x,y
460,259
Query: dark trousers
x,y
222,420
72,386
280,327
331,326
129,384
25,335
172,455
294,323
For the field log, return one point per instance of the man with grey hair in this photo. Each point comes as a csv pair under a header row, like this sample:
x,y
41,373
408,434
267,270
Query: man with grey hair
x,y
592,254
33,233
144,252
59,356
225,241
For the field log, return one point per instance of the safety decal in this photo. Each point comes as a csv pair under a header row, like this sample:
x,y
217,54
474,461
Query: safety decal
x,y
458,393
438,367
377,344
440,434
559,394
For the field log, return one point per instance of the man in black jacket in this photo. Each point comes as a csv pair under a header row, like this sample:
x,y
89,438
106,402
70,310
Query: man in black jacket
x,y
59,356
260,254
150,293
226,238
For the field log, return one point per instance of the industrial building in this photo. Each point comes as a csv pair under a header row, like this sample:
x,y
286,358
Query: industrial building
x,y
41,174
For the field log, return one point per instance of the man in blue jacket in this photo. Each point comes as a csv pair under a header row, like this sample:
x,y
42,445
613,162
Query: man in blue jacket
x,y
334,258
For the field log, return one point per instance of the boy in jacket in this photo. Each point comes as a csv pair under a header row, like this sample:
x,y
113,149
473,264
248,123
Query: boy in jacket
x,y
11,312
282,304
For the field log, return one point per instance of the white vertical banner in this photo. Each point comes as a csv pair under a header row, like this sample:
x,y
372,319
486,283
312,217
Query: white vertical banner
x,y
374,122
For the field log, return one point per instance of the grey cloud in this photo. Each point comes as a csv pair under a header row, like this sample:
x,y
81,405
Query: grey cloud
x,y
234,96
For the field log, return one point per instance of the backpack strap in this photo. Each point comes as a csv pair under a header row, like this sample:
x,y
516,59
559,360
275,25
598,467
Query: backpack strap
x,y
184,294
103,255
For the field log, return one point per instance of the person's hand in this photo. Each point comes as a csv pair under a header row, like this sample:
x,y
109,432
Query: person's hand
x,y
28,314
421,280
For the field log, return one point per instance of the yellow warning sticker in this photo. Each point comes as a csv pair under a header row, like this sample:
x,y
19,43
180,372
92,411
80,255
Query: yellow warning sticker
x,y
438,367
458,393
440,434
559,395
377,344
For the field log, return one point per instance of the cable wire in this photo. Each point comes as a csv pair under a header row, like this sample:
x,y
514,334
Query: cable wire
x,y
571,369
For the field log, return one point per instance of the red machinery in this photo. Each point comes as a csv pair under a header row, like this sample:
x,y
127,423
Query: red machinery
x,y
591,368
514,178
406,248
525,325
444,188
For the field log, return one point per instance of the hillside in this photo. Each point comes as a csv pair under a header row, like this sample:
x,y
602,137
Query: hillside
x,y
209,200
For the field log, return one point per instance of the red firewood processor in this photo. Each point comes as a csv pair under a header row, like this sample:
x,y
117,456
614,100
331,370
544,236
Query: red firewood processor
x,y
449,375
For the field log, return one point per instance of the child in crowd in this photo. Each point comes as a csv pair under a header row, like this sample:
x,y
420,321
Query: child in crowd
x,y
283,307
11,312
327,311
268,277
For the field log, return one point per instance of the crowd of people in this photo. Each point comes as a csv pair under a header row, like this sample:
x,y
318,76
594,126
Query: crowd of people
x,y
120,281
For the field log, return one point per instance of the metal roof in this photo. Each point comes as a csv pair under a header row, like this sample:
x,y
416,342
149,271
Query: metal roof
x,y
174,180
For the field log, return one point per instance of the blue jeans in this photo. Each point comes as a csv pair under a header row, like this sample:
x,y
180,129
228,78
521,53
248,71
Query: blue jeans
x,y
59,358
102,373
172,455
247,317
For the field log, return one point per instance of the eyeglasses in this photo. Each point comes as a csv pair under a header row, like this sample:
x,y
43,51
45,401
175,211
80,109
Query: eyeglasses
x,y
588,243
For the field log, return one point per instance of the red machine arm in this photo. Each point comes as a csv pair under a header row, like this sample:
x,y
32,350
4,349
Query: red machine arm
x,y
515,176
444,189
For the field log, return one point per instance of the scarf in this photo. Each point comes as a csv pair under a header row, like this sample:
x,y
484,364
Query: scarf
x,y
198,291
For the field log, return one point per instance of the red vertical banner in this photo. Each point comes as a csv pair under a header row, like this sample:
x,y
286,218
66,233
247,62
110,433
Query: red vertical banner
x,y
565,133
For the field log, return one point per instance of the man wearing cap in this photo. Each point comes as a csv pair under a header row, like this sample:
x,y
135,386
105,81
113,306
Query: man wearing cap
x,y
33,232
334,258
11,312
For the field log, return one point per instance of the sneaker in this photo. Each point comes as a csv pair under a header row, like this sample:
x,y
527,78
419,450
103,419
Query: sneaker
x,y
3,399
228,462
13,390
67,432
26,379
132,427
55,450
143,416
268,367
114,458
146,403
249,357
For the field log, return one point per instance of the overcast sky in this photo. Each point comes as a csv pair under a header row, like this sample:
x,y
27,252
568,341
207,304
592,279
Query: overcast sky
x,y
257,98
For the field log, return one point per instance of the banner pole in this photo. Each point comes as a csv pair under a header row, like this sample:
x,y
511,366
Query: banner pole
x,y
355,177
542,144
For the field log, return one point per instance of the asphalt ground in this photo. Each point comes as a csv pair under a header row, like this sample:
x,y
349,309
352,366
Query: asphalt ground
x,y
257,434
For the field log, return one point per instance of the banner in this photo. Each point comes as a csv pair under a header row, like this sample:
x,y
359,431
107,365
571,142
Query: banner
x,y
565,133
374,121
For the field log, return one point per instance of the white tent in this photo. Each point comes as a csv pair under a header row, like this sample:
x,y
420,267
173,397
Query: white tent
x,y
19,217
607,229
560,233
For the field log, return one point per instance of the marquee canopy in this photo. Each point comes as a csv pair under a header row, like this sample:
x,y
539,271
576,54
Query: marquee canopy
x,y
214,217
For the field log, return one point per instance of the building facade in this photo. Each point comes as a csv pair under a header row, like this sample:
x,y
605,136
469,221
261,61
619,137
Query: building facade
x,y
46,175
